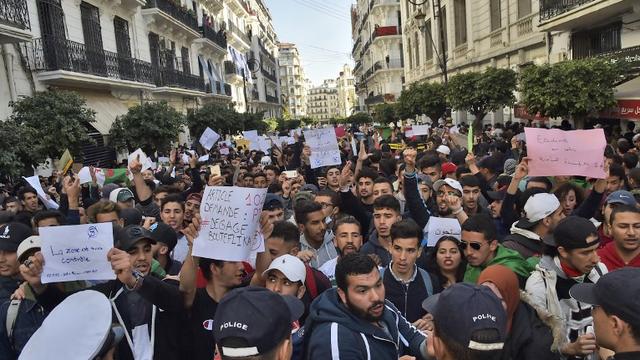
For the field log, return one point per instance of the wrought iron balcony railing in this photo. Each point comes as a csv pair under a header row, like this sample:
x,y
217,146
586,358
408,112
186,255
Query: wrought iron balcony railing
x,y
272,99
270,76
184,16
236,30
15,13
218,37
552,8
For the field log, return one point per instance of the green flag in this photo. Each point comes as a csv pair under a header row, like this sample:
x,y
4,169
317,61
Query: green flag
x,y
117,176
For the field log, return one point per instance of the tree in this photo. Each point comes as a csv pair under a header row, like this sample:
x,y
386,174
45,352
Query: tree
x,y
16,154
151,126
481,93
574,88
385,113
254,121
425,98
218,117
51,121
360,118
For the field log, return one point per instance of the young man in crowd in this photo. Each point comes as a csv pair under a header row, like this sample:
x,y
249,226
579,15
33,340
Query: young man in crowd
x,y
148,309
469,322
172,214
347,239
624,228
11,235
542,213
616,311
274,208
354,321
201,303
406,285
12,205
471,193
570,257
166,240
286,276
481,248
330,201
386,212
316,243
191,208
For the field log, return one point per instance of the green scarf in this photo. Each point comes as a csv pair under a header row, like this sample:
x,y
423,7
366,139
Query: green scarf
x,y
506,257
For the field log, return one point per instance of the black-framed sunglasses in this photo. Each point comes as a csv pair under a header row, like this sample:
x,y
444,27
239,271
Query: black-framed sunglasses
x,y
473,245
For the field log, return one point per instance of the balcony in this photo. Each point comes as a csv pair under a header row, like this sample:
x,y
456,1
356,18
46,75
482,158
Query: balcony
x,y
232,73
270,76
374,99
173,78
14,21
379,4
220,91
213,5
240,7
382,31
558,15
239,37
217,40
66,62
272,99
163,14
266,52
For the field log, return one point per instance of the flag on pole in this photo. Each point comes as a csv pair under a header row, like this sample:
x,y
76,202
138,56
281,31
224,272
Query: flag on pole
x,y
65,162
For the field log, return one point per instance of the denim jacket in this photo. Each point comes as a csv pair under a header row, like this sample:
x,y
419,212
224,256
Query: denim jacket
x,y
30,317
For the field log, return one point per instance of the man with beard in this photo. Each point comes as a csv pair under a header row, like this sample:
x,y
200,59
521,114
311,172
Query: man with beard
x,y
354,321
316,246
624,250
347,239
166,240
149,310
191,207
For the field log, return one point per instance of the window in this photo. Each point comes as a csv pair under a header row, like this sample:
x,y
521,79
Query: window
x,y
52,28
429,40
524,8
596,41
417,49
496,14
123,42
92,33
460,14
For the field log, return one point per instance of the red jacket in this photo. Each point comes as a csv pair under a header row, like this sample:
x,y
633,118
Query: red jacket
x,y
609,256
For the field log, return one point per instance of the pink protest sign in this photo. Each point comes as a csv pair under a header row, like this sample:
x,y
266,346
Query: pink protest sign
x,y
556,152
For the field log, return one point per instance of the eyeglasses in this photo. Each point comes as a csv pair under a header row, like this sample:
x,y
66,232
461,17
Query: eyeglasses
x,y
326,205
475,246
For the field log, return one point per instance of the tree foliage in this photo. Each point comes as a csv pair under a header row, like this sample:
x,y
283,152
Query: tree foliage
x,y
425,98
220,118
359,118
50,122
15,150
254,121
385,113
151,126
570,88
482,92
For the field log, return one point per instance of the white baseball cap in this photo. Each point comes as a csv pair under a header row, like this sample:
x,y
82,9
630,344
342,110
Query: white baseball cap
x,y
538,207
32,242
443,149
447,181
290,266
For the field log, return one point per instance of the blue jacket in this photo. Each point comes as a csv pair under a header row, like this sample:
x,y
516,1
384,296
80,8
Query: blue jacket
x,y
30,317
334,332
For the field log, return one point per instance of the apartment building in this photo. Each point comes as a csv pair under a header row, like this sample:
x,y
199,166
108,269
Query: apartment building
x,y
323,102
345,84
378,51
121,53
292,80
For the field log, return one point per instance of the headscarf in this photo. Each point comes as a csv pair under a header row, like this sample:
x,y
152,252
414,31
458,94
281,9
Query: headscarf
x,y
507,282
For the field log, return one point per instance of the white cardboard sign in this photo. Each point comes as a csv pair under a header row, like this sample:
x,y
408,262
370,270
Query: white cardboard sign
x,y
324,147
438,227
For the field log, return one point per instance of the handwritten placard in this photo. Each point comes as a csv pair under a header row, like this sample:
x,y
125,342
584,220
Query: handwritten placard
x,y
208,138
324,147
557,152
230,217
438,227
419,130
76,252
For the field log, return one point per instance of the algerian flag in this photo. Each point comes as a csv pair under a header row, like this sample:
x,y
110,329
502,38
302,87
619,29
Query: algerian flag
x,y
108,176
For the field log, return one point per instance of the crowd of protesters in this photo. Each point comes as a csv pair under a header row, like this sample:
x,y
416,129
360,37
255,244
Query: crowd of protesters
x,y
543,267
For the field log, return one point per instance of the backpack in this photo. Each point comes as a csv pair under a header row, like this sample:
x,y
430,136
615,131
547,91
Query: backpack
x,y
10,323
426,279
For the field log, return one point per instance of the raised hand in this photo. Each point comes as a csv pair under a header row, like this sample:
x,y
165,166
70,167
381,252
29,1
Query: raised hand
x,y
410,155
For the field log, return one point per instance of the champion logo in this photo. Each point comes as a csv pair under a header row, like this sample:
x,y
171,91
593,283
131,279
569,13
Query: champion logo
x,y
208,324
5,234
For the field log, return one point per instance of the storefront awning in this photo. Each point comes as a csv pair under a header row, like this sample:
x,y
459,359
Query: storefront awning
x,y
107,108
627,96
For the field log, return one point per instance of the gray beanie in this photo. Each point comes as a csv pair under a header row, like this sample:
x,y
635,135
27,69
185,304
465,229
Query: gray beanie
x,y
510,166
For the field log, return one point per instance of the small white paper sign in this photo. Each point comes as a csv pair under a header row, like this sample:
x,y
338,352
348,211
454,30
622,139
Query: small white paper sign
x,y
420,130
354,148
230,220
143,157
438,227
224,151
324,147
34,181
85,175
208,138
76,252
203,158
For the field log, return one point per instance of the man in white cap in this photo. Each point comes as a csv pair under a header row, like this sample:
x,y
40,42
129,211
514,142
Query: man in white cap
x,y
286,276
443,152
542,212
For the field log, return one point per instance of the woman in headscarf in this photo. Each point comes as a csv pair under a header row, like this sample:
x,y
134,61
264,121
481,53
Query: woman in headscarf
x,y
528,337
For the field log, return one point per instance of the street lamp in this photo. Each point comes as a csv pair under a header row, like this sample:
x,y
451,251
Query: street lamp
x,y
420,17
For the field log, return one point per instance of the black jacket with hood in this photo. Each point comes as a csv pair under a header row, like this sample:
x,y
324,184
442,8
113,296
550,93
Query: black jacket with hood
x,y
332,331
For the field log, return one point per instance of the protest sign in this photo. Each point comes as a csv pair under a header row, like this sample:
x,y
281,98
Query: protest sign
x,y
135,154
438,227
76,252
324,147
420,130
34,181
230,217
208,138
243,144
203,158
340,131
85,175
557,152
224,151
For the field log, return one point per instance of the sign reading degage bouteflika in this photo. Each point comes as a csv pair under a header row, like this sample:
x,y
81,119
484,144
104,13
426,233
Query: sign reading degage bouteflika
x,y
230,220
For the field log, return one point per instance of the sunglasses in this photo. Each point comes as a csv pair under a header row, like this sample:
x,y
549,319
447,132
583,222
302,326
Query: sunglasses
x,y
473,245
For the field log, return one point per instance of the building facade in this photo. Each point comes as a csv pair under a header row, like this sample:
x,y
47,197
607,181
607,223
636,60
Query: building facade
x,y
292,80
118,54
347,99
323,102
377,51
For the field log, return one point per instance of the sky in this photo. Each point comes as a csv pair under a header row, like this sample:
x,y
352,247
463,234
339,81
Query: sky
x,y
321,29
